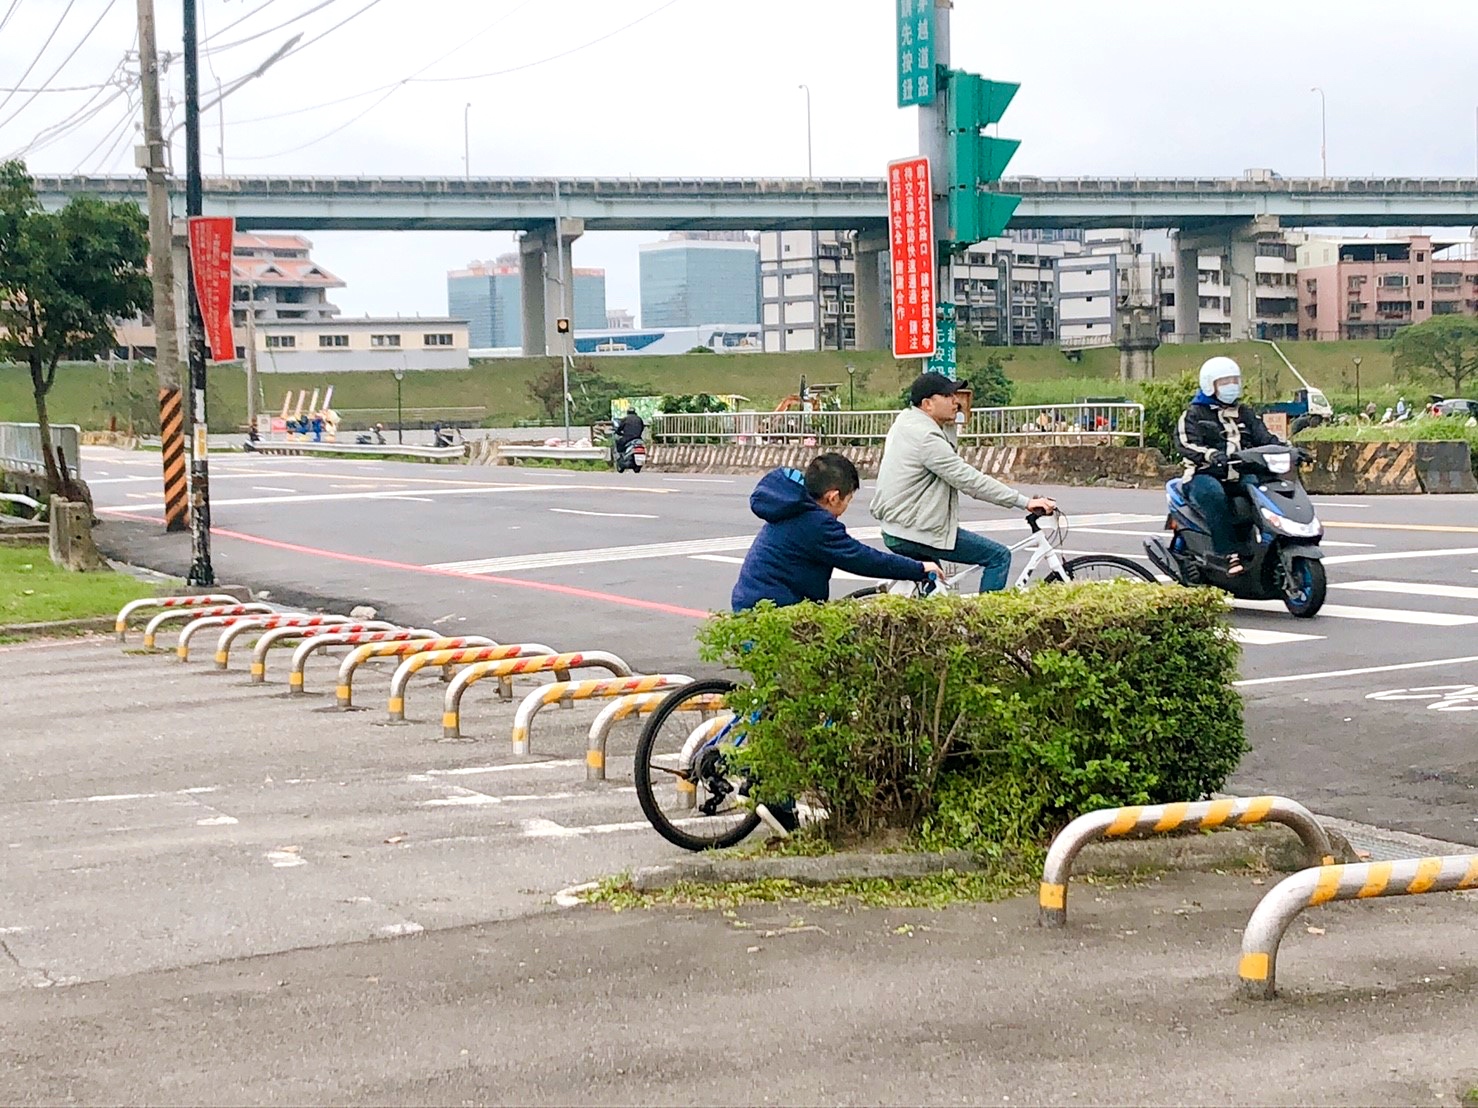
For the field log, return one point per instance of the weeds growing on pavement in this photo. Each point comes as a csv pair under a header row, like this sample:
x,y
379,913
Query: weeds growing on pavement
x,y
939,890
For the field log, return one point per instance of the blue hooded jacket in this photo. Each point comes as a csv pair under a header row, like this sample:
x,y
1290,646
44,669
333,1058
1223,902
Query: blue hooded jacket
x,y
800,544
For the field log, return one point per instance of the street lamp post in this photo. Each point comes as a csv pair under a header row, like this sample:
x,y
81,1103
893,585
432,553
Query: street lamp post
x,y
1262,385
466,142
807,88
399,419
1356,360
1323,134
851,388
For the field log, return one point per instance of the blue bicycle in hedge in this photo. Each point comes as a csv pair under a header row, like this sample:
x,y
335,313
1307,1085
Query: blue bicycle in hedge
x,y
684,778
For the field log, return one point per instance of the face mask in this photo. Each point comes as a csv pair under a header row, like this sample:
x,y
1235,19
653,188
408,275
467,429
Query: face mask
x,y
1228,394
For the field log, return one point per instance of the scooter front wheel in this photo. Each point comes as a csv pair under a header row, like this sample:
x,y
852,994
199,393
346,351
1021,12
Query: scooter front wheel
x,y
1304,587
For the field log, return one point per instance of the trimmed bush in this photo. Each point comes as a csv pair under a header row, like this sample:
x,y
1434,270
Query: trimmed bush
x,y
987,722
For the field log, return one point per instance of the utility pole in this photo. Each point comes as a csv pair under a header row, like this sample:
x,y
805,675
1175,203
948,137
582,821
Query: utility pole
x,y
152,159
201,572
252,381
933,128
565,311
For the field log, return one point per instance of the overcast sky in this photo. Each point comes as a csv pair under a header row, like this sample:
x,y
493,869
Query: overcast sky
x,y
696,88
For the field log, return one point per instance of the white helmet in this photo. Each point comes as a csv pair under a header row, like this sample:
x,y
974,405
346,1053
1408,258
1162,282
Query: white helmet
x,y
1217,369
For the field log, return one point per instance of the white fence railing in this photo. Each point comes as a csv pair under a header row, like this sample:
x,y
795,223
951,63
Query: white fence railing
x,y
20,447
1052,425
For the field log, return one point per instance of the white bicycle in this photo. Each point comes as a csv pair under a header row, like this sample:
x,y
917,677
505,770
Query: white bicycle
x,y
1044,544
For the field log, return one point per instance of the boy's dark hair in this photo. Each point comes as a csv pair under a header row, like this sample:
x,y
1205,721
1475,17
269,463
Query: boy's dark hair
x,y
831,471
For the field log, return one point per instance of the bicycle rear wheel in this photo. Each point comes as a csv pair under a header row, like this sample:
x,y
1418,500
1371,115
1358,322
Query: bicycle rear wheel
x,y
683,783
1104,567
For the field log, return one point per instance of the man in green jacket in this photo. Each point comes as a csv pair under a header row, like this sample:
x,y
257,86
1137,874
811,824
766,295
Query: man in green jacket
x,y
920,480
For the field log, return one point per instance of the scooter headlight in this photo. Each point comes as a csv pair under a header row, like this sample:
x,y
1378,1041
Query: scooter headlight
x,y
1292,528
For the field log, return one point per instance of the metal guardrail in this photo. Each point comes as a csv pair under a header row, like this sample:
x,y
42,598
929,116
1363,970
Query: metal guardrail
x,y
20,447
1307,888
565,453
1049,425
367,449
1163,818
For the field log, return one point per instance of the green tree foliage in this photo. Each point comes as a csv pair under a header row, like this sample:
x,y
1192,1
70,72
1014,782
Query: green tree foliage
x,y
1441,352
692,402
65,277
1164,401
591,393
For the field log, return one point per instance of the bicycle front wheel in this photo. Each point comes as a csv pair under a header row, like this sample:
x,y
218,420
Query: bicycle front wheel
x,y
683,782
1104,567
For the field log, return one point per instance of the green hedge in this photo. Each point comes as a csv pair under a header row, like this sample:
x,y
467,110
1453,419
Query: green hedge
x,y
987,723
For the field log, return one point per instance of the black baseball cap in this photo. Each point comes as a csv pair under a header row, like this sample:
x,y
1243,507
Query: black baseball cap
x,y
926,385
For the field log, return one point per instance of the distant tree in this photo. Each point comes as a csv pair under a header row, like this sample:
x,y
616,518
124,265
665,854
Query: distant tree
x,y
591,393
1164,400
993,389
65,277
692,402
1441,351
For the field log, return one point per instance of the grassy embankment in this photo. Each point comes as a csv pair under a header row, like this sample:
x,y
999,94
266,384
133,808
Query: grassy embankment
x,y
32,590
1043,375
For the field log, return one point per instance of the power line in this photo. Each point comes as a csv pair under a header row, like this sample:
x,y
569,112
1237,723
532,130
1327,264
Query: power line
x,y
270,30
120,82
59,88
40,52
9,12
57,71
237,22
124,122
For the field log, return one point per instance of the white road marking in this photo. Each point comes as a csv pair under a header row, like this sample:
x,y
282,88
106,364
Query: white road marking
x,y
1450,552
1332,542
549,829
284,859
216,821
271,488
1355,672
412,499
605,515
1411,588
109,797
324,497
507,767
698,480
729,559
691,547
1377,615
1256,636
390,930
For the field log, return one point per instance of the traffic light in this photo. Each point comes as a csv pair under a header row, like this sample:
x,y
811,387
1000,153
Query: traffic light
x,y
975,103
562,325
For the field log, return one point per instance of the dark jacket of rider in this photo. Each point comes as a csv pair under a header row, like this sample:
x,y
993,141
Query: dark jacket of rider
x,y
800,544
1210,432
629,428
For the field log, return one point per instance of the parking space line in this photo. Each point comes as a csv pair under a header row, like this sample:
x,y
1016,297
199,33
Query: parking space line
x,y
1257,636
1411,588
603,515
1290,677
1377,615
1391,556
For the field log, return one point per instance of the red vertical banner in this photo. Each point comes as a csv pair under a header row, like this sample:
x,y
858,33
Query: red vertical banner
x,y
911,245
210,262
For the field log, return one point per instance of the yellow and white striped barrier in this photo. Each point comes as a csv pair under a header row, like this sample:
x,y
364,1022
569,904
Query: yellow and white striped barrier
x,y
151,629
417,662
344,693
268,623
339,633
120,622
626,707
1322,884
560,663
567,692
1160,819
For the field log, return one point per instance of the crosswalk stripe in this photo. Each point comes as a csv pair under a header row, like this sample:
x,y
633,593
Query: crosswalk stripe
x,y
1378,615
1411,588
1256,636
1401,555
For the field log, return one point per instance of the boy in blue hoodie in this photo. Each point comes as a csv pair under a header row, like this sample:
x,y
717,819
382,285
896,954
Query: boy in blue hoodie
x,y
802,541
803,538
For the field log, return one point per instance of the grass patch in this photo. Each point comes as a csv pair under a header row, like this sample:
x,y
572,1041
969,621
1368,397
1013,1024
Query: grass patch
x,y
32,590
583,465
940,890
1470,1098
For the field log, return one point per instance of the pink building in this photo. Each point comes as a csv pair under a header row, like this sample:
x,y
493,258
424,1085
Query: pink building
x,y
1368,288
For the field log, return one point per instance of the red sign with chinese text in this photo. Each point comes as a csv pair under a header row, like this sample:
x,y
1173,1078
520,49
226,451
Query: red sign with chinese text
x,y
210,263
911,242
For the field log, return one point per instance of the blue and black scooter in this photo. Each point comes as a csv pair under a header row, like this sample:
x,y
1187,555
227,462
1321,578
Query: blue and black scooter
x,y
1277,530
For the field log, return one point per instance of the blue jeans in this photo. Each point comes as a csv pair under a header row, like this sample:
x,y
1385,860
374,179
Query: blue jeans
x,y
1211,498
970,549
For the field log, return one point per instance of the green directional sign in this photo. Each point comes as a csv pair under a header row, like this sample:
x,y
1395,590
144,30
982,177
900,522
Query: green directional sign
x,y
944,360
916,77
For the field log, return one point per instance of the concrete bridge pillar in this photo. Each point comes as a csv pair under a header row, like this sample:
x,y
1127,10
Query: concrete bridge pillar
x,y
547,290
871,331
1242,277
1187,288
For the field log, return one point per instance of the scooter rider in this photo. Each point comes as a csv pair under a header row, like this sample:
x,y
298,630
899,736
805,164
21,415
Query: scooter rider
x,y
629,428
1212,429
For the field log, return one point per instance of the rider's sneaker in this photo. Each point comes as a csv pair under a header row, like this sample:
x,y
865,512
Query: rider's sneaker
x,y
779,818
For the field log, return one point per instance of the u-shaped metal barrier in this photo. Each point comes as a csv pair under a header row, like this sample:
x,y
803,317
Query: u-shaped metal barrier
x,y
1161,818
151,630
596,659
206,623
339,633
637,705
569,691
344,692
1322,884
268,623
417,662
120,622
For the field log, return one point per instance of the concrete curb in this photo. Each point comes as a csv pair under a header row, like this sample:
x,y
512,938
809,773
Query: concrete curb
x,y
58,627
1273,848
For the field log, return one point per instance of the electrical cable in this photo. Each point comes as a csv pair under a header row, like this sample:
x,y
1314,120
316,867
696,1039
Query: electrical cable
x,y
108,134
40,52
57,71
82,115
9,12
237,22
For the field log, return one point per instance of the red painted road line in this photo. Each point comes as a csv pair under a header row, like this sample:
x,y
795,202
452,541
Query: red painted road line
x,y
381,563
52,644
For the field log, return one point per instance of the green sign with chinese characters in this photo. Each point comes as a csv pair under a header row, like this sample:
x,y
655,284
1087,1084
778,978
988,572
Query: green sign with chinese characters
x,y
915,52
943,360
